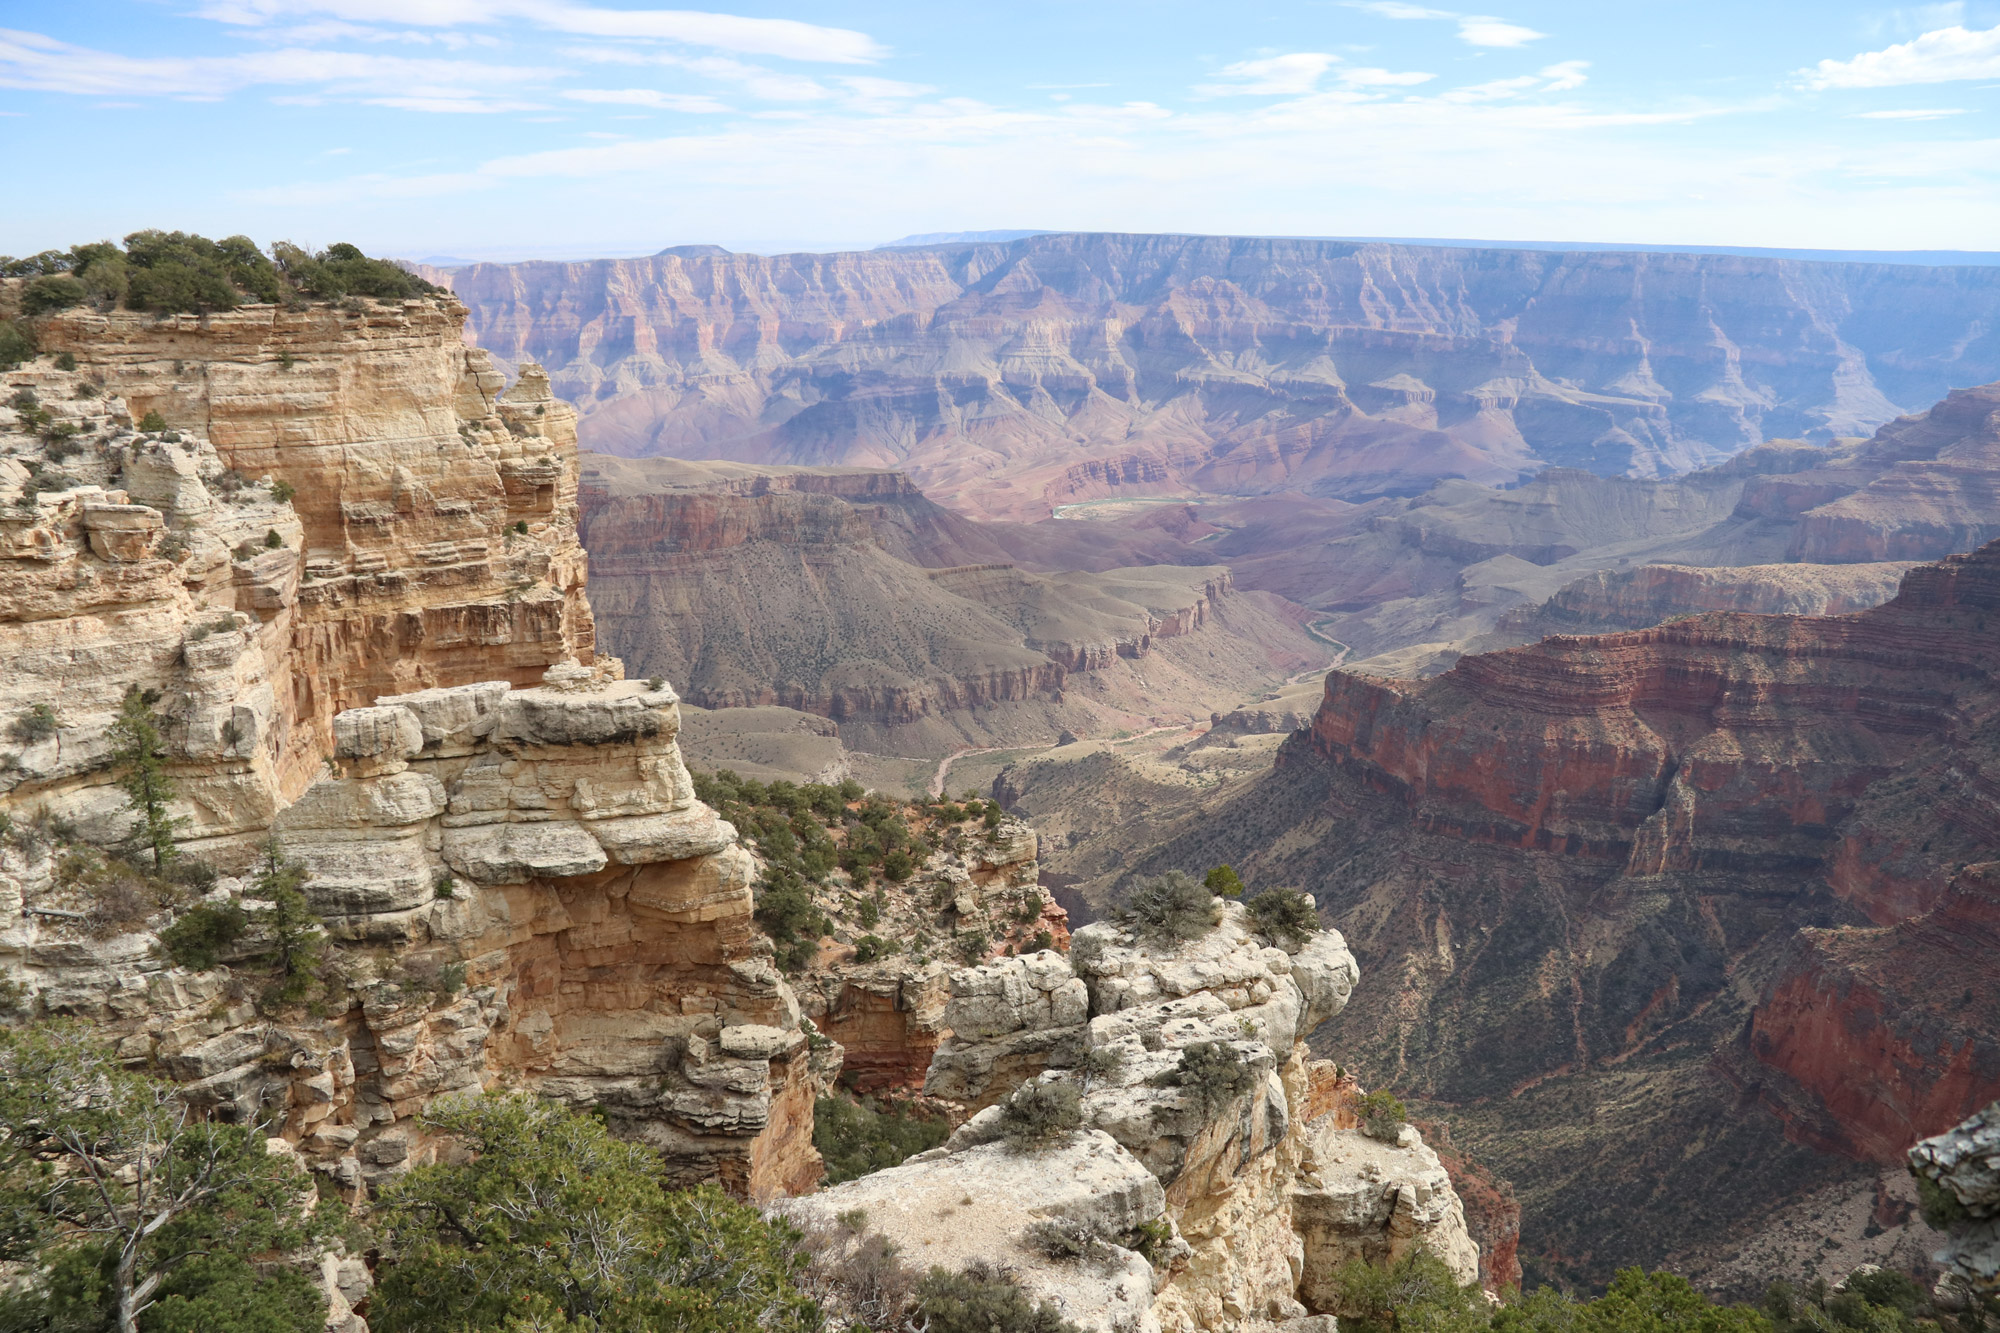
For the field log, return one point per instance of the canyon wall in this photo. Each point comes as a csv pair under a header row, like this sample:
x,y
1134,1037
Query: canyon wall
x,y
1008,378
342,568
846,593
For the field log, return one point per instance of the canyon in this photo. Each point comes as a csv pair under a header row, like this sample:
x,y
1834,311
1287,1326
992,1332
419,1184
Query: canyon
x,y
1008,378
337,569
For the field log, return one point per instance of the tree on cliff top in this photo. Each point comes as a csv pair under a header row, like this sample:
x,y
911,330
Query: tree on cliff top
x,y
132,1212
137,748
1174,905
550,1222
181,272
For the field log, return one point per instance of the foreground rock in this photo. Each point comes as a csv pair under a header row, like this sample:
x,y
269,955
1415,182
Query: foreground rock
x,y
1201,1213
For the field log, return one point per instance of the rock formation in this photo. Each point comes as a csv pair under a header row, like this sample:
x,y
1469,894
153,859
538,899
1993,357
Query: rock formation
x,y
846,594
1649,881
348,572
1963,1166
1184,1213
1011,377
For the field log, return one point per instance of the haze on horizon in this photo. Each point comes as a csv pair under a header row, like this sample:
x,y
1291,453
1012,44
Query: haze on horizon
x,y
569,128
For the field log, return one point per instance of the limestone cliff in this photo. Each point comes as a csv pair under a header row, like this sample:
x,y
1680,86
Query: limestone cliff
x,y
1011,377
1187,1215
346,569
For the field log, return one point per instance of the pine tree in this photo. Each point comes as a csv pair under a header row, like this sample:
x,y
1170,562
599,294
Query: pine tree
x,y
297,939
137,748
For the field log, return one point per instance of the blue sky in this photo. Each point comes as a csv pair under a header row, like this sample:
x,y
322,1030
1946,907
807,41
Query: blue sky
x,y
569,128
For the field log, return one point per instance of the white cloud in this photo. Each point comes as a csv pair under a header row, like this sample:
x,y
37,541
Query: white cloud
x,y
1943,56
42,64
1565,76
1364,77
647,97
1475,29
1482,31
785,38
1283,75
1931,113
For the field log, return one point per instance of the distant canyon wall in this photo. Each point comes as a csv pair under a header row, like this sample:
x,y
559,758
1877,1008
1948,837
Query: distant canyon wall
x,y
1008,378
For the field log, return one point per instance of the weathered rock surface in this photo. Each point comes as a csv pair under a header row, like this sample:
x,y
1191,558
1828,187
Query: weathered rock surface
x,y
1010,377
1265,1193
850,595
1964,1163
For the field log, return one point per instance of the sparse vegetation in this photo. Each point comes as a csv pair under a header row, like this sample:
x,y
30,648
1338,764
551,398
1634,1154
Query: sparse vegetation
x,y
137,748
1174,906
1286,915
34,726
858,1137
545,1221
282,492
1382,1116
983,1300
1212,1074
1041,1114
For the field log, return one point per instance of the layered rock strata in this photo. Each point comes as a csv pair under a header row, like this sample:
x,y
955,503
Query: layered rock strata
x,y
1197,1216
1963,1166
347,574
1012,377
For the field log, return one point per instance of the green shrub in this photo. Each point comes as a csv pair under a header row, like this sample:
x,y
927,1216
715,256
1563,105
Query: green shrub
x,y
282,492
16,345
272,541
1415,1294
982,1300
343,270
1940,1207
1040,1115
443,885
1286,915
1043,940
197,939
67,361
1212,1074
857,1138
152,423
788,914
1382,1116
871,947
972,946
34,726
55,292
1223,882
1173,905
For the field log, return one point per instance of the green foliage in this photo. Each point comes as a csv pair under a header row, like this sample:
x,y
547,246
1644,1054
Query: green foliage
x,y
1223,882
1286,915
297,939
521,526
16,344
869,948
272,541
1212,1074
282,492
1415,1294
34,726
788,914
67,361
857,1138
197,938
1040,1115
1636,1302
152,423
1939,1206
1173,905
443,885
548,1221
982,1300
137,748
132,1212
54,292
1382,1116
342,270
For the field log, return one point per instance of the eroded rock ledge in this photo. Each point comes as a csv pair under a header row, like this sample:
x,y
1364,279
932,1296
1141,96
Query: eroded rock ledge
x,y
1204,1218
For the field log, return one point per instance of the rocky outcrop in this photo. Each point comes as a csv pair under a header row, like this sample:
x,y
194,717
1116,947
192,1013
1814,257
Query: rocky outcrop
x,y
1011,377
1963,1166
347,575
1647,596
1192,1214
846,594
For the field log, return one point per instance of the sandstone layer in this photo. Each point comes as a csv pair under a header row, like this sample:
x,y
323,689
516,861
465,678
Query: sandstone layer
x,y
1191,1215
1011,377
1703,905
347,573
840,593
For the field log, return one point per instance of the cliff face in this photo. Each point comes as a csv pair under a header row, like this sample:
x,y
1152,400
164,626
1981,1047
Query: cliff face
x,y
1651,594
804,589
1010,377
1196,1215
1646,882
348,573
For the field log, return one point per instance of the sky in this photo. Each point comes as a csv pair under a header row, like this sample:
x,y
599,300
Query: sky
x,y
501,129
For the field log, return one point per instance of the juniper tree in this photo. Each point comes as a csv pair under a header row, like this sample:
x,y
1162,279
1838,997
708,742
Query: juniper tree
x,y
136,747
